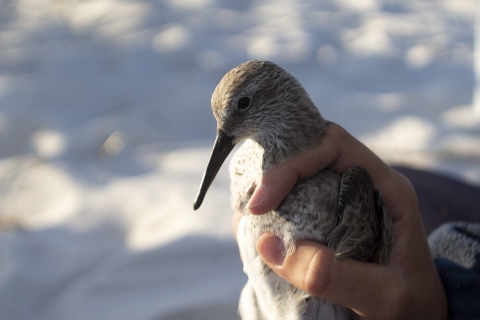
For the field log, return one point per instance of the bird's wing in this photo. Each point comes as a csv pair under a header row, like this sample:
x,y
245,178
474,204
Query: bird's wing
x,y
386,228
359,230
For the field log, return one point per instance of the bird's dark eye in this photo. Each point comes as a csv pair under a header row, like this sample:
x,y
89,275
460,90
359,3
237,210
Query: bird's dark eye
x,y
243,103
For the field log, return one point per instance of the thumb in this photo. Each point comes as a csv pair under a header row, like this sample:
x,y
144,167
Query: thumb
x,y
274,186
366,288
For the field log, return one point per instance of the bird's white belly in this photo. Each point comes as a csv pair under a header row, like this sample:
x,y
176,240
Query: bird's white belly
x,y
265,290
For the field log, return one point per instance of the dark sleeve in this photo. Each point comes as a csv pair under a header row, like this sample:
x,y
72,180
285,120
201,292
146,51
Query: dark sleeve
x,y
462,287
455,246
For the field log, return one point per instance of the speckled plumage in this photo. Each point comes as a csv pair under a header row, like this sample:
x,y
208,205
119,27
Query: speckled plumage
x,y
343,212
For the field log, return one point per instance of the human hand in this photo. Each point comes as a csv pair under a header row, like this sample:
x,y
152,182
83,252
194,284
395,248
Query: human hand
x,y
407,287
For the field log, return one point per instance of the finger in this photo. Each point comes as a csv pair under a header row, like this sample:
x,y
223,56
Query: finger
x,y
338,151
275,185
368,289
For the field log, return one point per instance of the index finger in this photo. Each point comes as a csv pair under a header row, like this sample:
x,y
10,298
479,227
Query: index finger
x,y
337,151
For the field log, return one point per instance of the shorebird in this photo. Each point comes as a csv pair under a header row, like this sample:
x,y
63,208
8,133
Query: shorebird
x,y
263,106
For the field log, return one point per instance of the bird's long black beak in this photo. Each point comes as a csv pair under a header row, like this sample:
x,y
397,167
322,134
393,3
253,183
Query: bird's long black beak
x,y
222,147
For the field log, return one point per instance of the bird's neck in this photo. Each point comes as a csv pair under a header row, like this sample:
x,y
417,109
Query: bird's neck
x,y
295,136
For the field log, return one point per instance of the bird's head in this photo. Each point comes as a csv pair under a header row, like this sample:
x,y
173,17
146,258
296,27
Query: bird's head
x,y
258,100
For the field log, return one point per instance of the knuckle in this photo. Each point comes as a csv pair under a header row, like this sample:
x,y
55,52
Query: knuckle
x,y
406,187
333,127
409,188
318,276
336,130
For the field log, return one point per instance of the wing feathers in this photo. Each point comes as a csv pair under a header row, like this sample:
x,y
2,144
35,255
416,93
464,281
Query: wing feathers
x,y
364,223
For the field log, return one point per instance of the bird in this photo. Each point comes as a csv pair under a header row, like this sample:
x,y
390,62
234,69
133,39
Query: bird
x,y
261,106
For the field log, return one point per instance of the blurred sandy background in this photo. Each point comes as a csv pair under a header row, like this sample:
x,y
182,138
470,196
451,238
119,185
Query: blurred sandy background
x,y
106,127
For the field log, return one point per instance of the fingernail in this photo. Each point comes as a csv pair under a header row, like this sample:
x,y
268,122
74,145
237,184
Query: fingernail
x,y
257,198
272,250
